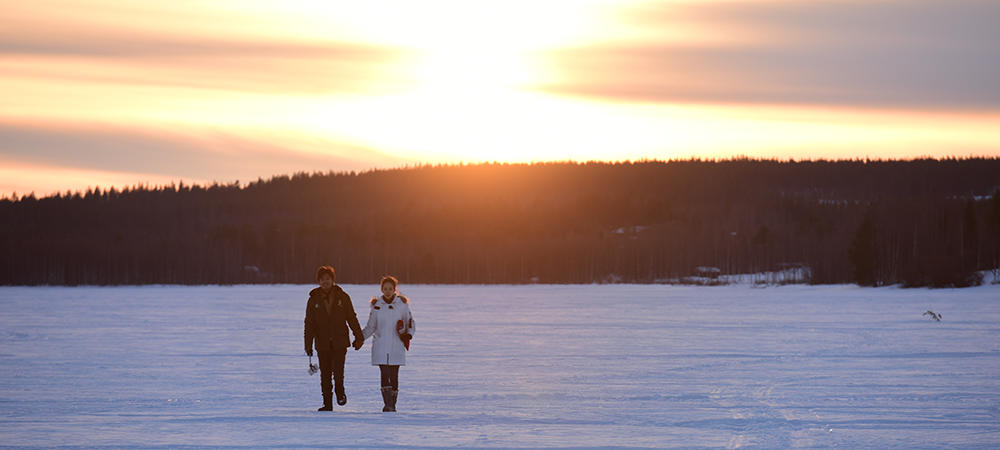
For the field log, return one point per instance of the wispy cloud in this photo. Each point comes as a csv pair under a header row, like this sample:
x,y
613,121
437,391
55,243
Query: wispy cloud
x,y
917,54
140,47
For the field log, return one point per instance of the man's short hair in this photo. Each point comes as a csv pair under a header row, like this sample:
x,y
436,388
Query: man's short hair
x,y
327,270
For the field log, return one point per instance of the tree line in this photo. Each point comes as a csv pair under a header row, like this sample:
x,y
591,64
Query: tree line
x,y
922,222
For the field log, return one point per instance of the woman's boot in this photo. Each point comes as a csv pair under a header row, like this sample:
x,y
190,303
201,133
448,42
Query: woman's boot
x,y
388,399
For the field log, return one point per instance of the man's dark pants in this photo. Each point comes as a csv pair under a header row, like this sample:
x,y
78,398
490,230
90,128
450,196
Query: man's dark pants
x,y
331,363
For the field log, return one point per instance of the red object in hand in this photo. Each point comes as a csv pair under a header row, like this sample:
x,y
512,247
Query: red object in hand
x,y
403,335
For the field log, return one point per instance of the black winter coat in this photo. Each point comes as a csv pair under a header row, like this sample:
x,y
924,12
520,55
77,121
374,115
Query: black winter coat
x,y
330,328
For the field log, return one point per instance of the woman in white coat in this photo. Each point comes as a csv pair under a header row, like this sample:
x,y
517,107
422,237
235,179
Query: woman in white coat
x,y
392,325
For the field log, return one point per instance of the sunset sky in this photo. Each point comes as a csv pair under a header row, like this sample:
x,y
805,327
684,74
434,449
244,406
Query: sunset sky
x,y
123,92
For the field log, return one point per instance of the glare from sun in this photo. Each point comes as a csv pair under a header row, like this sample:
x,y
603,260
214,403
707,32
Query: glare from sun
x,y
473,60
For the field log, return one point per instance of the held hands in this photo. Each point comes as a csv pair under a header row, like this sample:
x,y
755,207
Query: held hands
x,y
358,343
309,352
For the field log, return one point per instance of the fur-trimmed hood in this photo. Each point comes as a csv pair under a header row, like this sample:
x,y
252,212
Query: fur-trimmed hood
x,y
375,300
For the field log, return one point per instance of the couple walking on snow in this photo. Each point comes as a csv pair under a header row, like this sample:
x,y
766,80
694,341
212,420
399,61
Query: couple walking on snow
x,y
330,312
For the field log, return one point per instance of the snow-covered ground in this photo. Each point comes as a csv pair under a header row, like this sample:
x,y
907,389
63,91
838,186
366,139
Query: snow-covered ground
x,y
602,366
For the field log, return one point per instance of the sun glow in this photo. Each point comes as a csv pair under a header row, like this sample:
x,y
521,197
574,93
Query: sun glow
x,y
467,97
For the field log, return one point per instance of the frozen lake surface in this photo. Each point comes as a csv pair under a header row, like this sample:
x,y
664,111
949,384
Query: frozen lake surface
x,y
612,366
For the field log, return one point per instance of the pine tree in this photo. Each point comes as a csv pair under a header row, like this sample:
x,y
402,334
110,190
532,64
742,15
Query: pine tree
x,y
970,238
863,253
993,232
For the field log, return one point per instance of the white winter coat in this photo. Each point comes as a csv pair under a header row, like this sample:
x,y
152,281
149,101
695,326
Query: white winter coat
x,y
387,347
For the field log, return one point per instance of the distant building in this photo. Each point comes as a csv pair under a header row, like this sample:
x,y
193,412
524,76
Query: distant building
x,y
707,272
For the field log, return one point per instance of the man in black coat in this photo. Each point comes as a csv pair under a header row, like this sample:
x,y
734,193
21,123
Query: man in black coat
x,y
328,314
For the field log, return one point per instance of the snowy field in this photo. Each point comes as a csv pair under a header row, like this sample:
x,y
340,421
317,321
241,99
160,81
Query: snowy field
x,y
610,366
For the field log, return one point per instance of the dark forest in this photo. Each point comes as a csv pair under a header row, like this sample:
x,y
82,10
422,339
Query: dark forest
x,y
923,222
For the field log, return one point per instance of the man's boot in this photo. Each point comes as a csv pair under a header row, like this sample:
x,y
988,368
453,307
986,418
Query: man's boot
x,y
341,395
387,399
327,403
